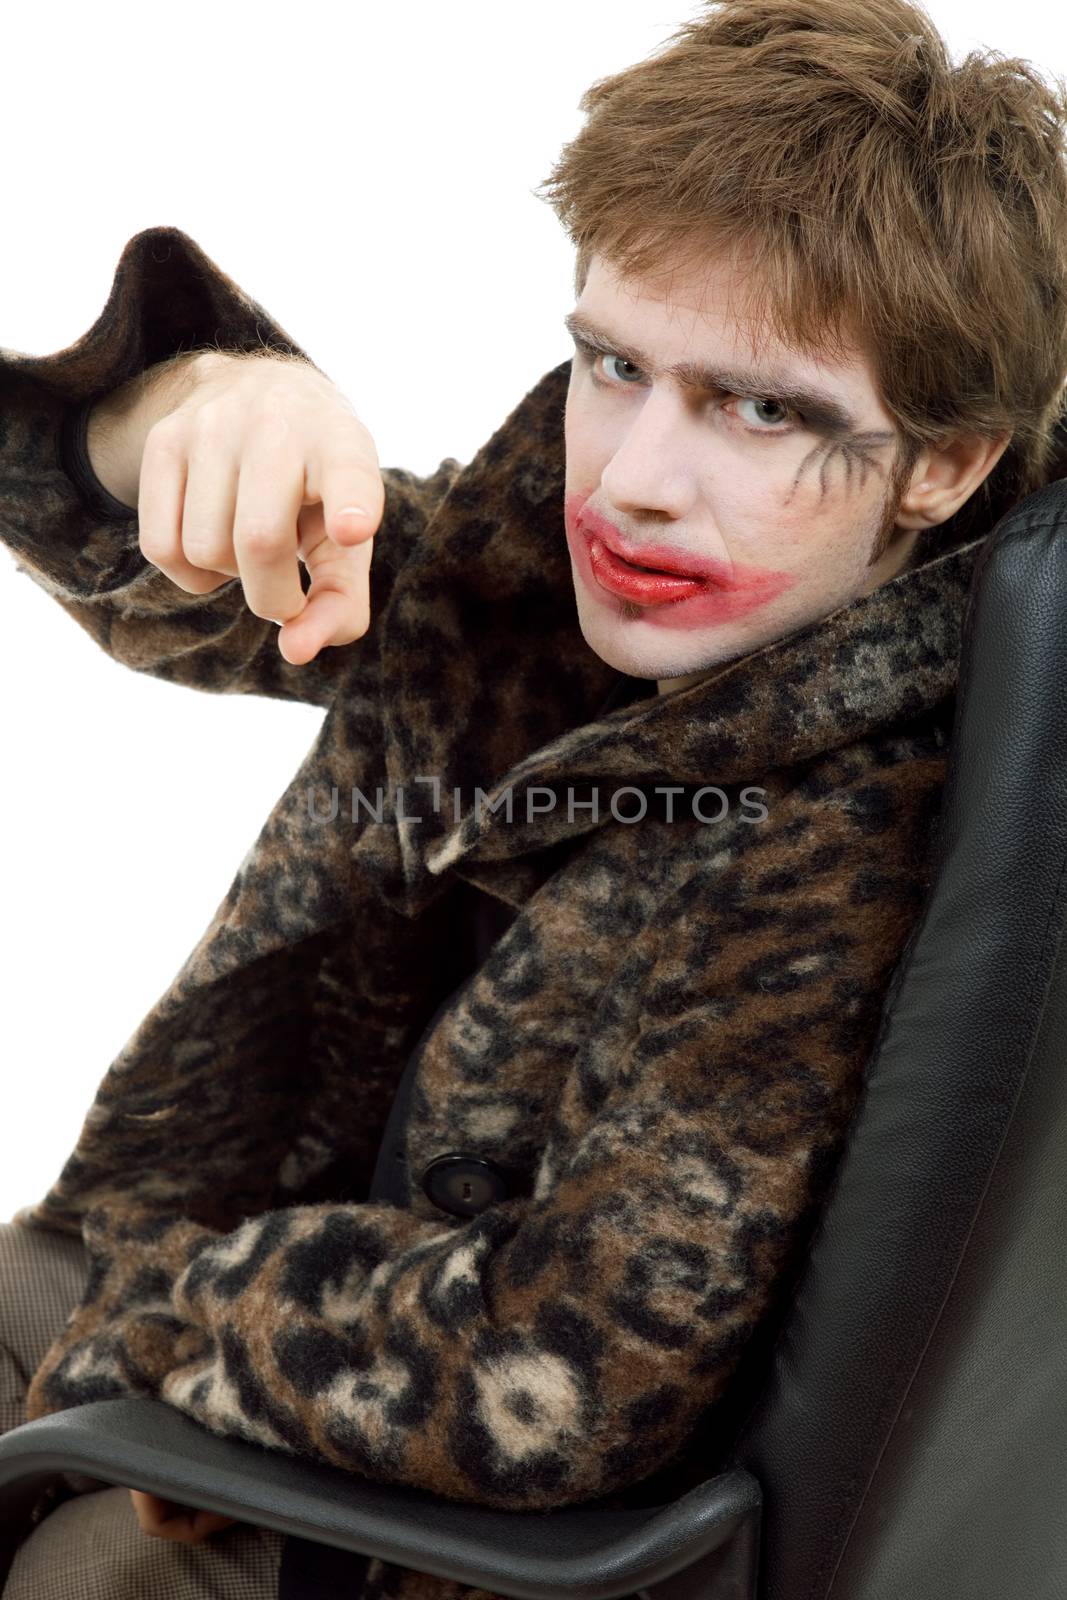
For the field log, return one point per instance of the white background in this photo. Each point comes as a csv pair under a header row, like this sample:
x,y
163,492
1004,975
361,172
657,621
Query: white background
x,y
365,172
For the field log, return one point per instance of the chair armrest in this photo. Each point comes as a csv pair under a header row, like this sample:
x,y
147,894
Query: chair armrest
x,y
532,1555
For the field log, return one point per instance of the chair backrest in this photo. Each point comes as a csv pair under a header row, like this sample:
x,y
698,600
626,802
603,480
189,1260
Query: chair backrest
x,y
911,1432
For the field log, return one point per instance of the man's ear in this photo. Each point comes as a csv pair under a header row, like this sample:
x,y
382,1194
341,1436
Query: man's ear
x,y
945,476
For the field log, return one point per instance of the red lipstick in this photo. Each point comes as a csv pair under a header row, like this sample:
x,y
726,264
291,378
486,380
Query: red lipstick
x,y
674,588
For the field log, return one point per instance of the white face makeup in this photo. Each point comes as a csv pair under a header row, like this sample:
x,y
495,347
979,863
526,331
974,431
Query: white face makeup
x,y
762,479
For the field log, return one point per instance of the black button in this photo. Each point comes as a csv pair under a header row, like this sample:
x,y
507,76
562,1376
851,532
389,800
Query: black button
x,y
464,1185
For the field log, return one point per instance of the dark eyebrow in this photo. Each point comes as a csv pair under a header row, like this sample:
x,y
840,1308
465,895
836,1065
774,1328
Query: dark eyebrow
x,y
819,407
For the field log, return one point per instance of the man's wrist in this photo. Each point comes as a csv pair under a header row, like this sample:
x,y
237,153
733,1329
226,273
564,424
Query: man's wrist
x,y
120,422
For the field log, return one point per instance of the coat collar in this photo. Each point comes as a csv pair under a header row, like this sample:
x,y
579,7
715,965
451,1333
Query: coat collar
x,y
488,682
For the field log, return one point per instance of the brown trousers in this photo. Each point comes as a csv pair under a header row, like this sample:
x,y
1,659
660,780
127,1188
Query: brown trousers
x,y
90,1546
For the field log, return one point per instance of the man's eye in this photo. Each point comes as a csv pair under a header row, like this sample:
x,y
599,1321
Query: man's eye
x,y
763,405
619,362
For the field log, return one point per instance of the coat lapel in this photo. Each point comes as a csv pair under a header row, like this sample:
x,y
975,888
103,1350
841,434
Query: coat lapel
x,y
482,657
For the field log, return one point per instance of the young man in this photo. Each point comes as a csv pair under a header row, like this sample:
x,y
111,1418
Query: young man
x,y
657,691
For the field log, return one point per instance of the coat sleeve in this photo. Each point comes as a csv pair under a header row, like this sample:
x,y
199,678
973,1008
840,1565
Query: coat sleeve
x,y
563,1346
80,544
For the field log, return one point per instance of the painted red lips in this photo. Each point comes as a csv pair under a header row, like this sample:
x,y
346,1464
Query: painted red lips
x,y
673,587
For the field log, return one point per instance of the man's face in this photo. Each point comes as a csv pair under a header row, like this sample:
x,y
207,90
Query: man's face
x,y
769,482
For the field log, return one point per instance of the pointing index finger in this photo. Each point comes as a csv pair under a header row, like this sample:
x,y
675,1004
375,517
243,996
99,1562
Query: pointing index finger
x,y
351,488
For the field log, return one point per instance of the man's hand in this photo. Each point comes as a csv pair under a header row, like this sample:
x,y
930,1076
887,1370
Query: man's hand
x,y
167,1520
261,463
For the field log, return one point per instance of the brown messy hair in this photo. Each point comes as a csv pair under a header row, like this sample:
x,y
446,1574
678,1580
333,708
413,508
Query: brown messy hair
x,y
887,199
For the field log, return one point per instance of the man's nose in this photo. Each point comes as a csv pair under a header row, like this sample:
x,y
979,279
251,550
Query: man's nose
x,y
652,467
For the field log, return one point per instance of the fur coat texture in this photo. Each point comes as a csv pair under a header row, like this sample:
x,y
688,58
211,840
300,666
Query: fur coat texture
x,y
625,1118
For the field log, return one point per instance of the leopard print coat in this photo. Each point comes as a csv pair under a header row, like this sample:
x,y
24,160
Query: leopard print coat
x,y
648,1080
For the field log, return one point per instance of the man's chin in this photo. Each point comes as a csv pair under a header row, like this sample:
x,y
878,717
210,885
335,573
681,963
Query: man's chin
x,y
644,652
608,650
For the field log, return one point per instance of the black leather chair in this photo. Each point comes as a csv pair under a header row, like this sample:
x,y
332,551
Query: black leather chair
x,y
904,1437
